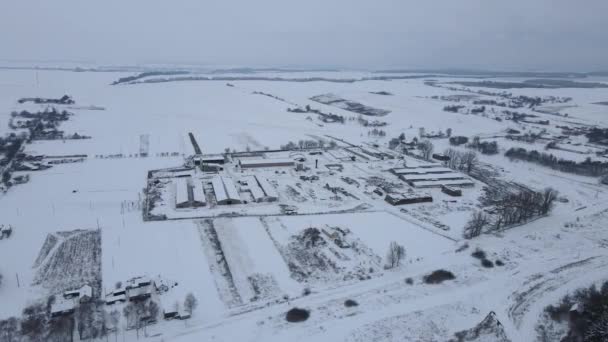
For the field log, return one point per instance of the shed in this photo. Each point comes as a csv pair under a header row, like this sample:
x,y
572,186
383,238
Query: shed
x,y
198,195
62,308
408,197
115,298
182,197
270,193
442,157
450,190
225,191
261,163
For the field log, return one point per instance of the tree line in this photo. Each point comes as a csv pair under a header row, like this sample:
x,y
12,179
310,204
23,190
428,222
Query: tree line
x,y
511,209
585,168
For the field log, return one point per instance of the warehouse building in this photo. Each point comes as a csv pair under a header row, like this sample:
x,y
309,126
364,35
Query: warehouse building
x,y
439,183
420,170
198,195
189,194
182,197
225,191
407,197
265,163
270,194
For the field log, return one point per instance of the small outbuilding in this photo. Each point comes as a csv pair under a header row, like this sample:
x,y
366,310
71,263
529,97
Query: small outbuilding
x,y
408,197
452,191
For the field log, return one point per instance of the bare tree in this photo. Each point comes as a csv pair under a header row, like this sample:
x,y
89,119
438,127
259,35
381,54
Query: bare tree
x,y
395,254
153,309
469,161
35,322
61,329
9,329
113,319
476,224
426,147
133,312
549,195
190,303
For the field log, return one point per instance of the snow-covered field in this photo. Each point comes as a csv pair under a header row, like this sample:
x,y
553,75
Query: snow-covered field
x,y
247,271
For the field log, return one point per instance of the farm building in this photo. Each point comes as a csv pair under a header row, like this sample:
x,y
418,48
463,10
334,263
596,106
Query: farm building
x,y
262,163
254,189
452,191
420,170
170,313
439,156
189,194
140,292
84,294
62,308
407,197
225,191
198,195
182,192
270,194
113,298
412,179
439,183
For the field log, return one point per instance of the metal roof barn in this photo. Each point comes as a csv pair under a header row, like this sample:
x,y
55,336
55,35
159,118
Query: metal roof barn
x,y
182,198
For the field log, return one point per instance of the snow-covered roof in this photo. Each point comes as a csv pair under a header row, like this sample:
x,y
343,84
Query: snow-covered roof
x,y
231,190
266,162
268,189
181,190
62,306
198,193
254,188
115,298
86,291
439,183
435,176
218,189
420,170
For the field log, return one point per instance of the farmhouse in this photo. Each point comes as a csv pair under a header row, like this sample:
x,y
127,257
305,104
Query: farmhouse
x,y
265,163
225,191
407,197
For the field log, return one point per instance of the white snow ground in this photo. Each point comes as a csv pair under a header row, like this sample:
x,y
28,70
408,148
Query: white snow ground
x,y
544,259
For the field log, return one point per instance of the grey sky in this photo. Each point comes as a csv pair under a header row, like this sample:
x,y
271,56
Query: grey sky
x,y
514,34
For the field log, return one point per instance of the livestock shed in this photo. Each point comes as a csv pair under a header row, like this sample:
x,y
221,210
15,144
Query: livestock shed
x,y
270,193
452,191
408,197
266,163
440,183
442,157
432,177
420,170
225,191
198,195
182,192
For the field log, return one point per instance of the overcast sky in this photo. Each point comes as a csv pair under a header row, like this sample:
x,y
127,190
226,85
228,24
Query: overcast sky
x,y
373,34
